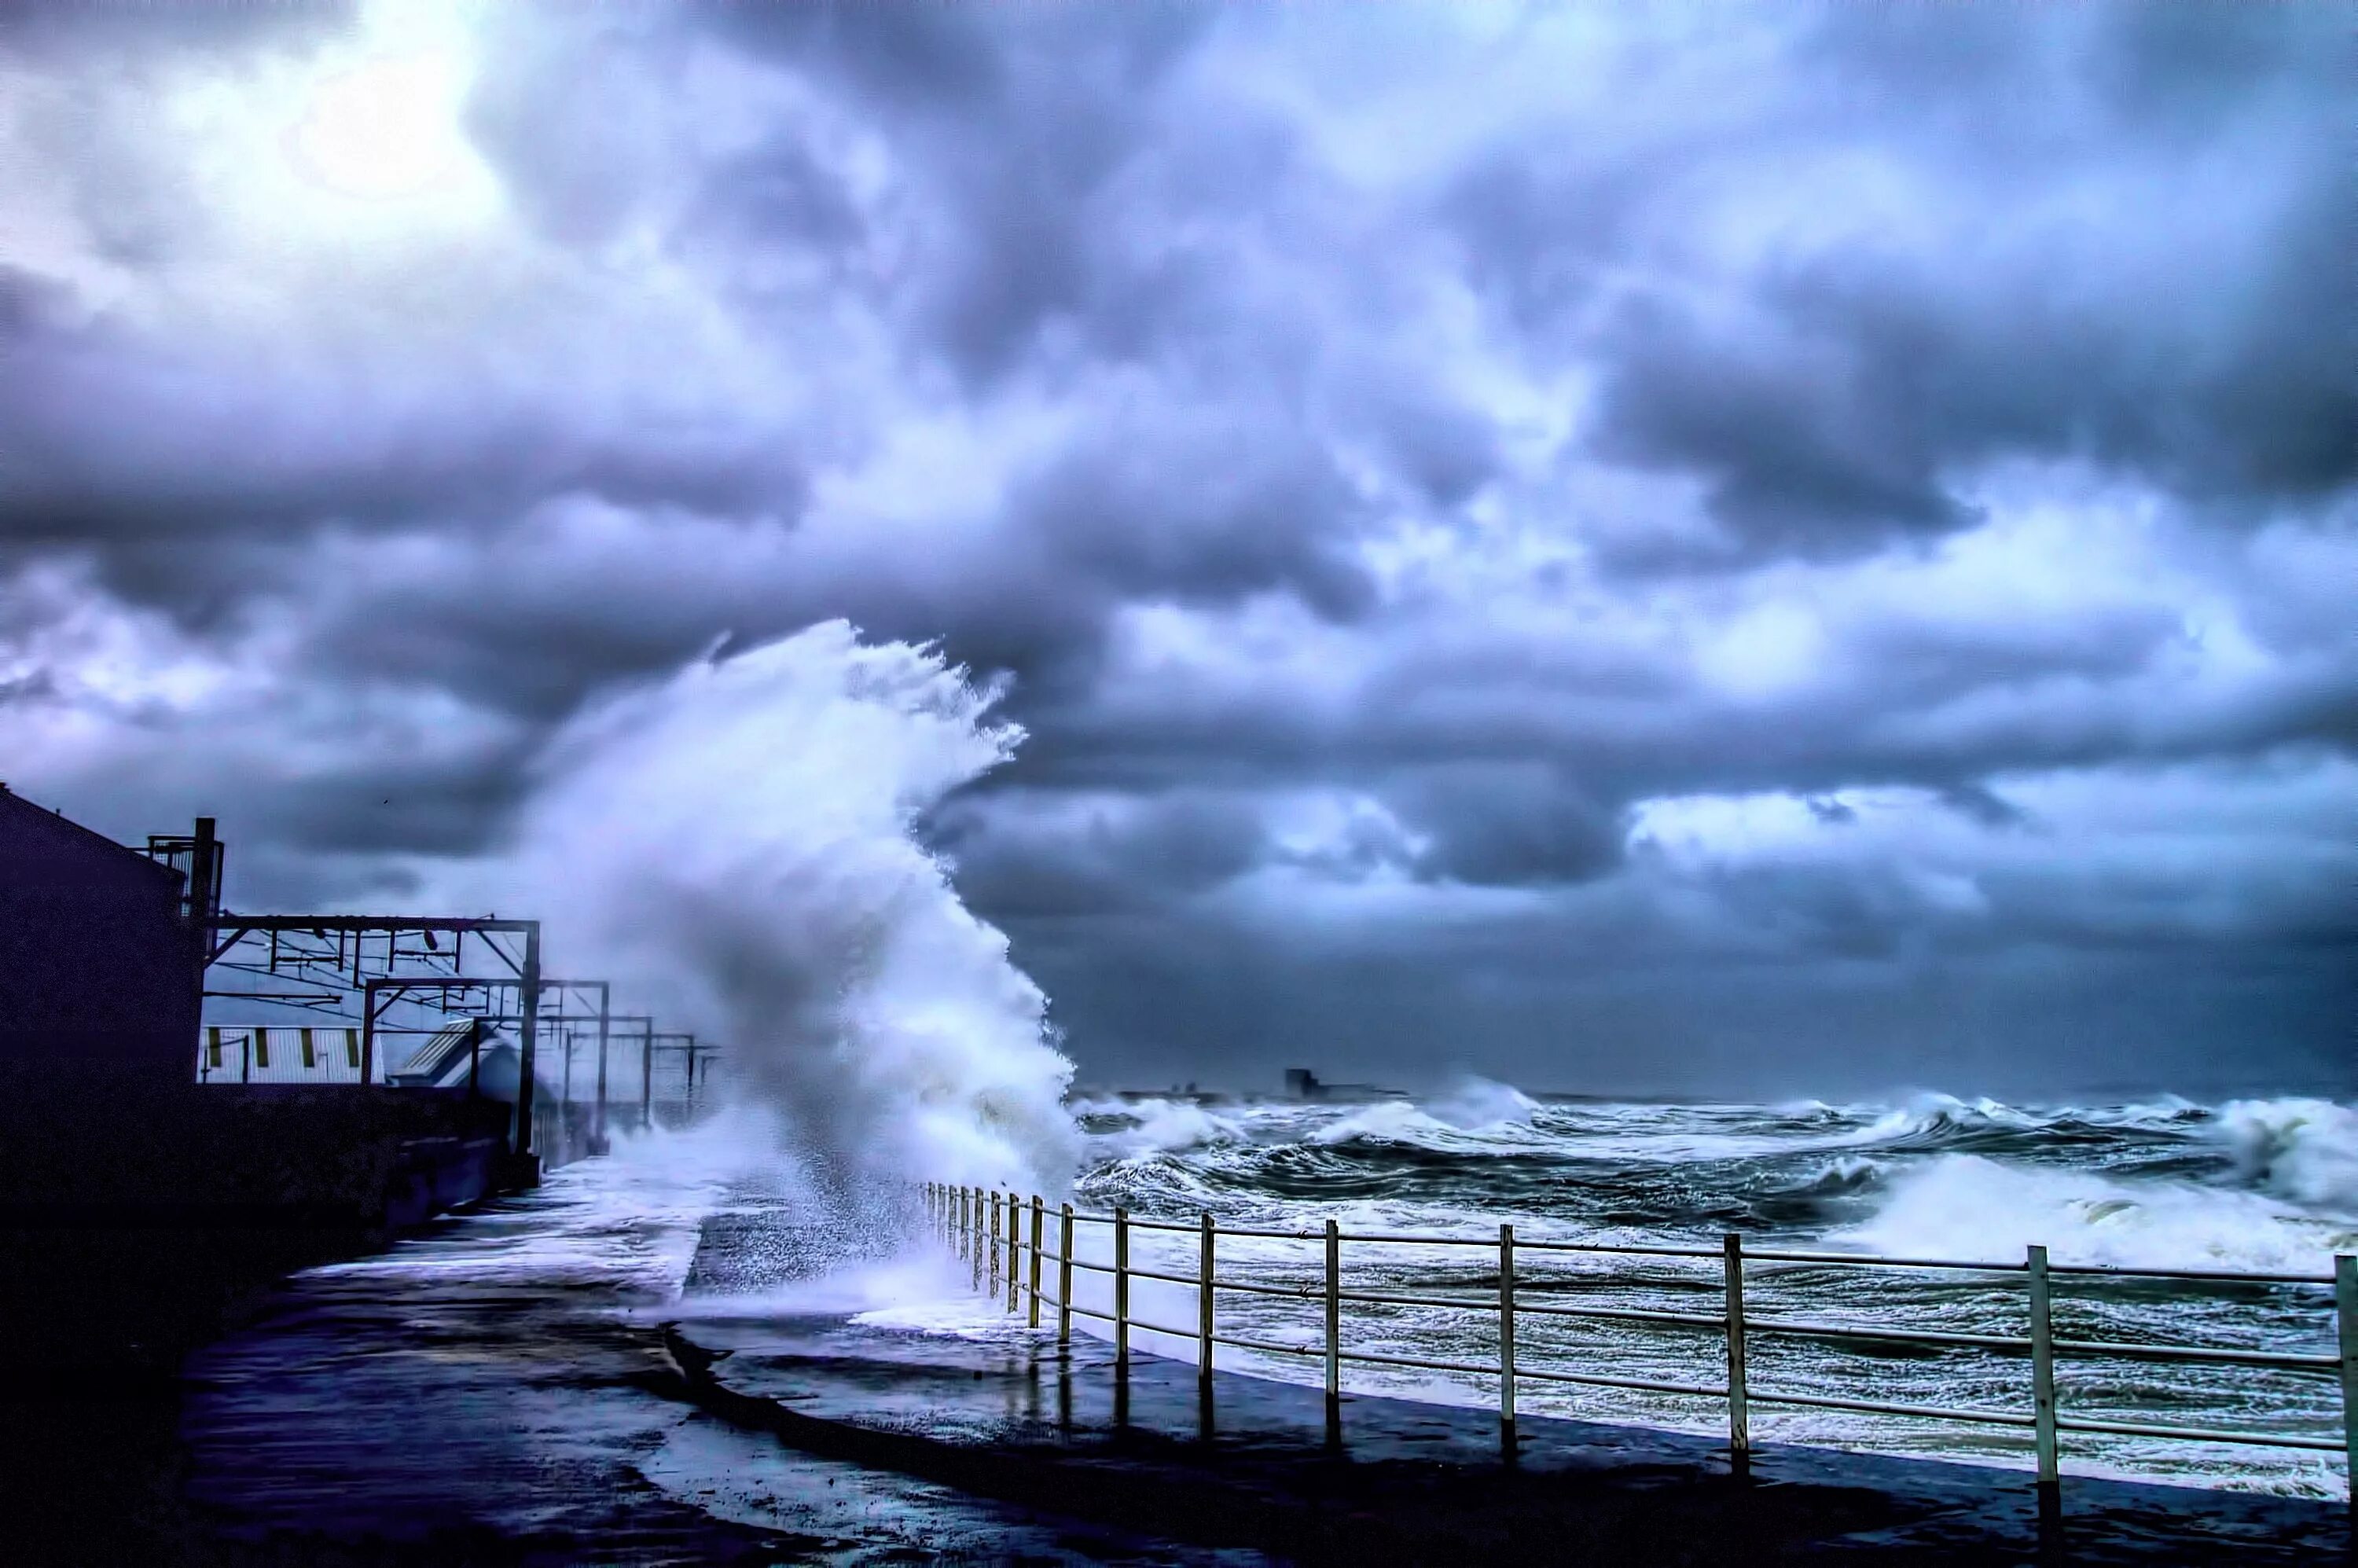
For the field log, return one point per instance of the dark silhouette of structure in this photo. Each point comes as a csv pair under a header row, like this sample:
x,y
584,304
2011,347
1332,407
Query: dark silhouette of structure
x,y
100,974
139,1209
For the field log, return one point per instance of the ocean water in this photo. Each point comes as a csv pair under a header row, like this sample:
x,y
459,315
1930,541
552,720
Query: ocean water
x,y
2262,1185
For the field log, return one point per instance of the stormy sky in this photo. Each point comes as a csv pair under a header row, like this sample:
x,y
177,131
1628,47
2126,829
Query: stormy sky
x,y
1790,549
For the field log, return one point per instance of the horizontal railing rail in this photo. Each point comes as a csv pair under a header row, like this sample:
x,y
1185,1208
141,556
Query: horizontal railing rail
x,y
1003,1236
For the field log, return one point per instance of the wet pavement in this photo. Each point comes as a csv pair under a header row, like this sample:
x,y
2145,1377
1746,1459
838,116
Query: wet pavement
x,y
490,1394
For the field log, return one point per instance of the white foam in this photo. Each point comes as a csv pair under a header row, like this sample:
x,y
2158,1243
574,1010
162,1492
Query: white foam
x,y
1175,1124
1474,1104
1965,1206
2305,1150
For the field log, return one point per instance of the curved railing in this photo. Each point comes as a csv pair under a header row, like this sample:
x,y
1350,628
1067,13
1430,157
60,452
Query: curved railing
x,y
987,1229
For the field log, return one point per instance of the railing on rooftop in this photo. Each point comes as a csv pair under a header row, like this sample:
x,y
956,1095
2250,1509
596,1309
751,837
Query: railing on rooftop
x,y
987,1230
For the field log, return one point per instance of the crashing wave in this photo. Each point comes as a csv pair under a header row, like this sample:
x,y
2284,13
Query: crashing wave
x,y
2304,1150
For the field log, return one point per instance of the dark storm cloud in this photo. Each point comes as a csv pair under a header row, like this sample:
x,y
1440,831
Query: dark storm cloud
x,y
1509,824
106,441
127,28
1831,400
1385,498
1097,859
1014,122
1260,508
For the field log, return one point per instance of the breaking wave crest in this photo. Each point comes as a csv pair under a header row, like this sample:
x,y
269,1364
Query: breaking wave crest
x,y
737,845
1968,1205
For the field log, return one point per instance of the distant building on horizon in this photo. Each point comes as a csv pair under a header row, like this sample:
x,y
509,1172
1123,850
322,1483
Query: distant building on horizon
x,y
1300,1083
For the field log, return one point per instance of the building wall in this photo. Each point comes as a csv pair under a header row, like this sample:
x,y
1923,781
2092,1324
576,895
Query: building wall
x,y
96,966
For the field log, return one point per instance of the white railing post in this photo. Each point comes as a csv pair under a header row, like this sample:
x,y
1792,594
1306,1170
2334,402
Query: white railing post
x,y
1121,1289
1334,1312
1204,1307
2345,1303
2042,1366
1064,1277
974,1235
1038,1215
991,1268
1739,1398
1014,1248
1507,1326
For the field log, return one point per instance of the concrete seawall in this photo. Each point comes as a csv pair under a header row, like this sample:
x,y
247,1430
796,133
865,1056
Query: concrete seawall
x,y
139,1220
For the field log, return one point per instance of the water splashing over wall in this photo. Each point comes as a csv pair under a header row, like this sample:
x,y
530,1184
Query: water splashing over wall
x,y
737,846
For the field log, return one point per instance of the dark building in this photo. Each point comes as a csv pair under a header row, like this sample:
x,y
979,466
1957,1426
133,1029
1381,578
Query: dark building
x,y
141,1211
99,965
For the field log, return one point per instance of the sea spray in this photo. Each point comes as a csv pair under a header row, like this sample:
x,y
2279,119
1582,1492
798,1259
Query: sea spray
x,y
736,847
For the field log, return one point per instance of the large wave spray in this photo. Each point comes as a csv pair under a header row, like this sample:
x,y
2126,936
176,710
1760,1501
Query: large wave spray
x,y
736,845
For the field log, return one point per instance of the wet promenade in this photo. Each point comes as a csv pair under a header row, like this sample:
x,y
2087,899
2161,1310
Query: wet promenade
x,y
528,1385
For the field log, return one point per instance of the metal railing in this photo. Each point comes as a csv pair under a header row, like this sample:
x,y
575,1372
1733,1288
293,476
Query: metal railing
x,y
986,1228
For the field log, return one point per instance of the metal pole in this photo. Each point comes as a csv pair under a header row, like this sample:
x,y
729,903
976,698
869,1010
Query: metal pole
x,y
1065,1276
994,1245
974,1236
2346,1301
647,1077
1121,1289
1038,1215
529,1045
1334,1312
2042,1368
1204,1307
1014,1248
204,903
598,1117
474,1058
1739,1404
246,1076
1507,1326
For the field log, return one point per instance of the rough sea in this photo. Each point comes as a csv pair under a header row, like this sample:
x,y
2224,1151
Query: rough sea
x,y
2261,1185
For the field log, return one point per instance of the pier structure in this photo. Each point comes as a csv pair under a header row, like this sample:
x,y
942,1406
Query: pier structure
x,y
1014,1244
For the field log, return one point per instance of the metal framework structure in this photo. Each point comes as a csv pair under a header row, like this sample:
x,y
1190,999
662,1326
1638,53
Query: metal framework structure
x,y
356,969
482,998
688,1046
985,1228
329,957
